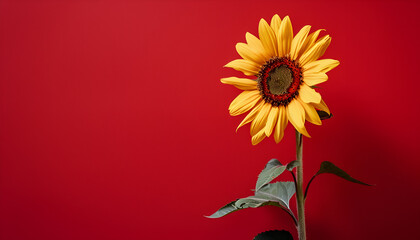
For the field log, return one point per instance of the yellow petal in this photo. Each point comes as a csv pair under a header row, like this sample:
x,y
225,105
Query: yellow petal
x,y
285,37
275,24
323,66
310,113
268,38
255,44
261,119
310,41
298,42
257,138
251,115
241,83
308,94
243,96
296,115
314,78
271,120
324,38
253,41
316,51
281,124
322,106
244,102
247,53
249,68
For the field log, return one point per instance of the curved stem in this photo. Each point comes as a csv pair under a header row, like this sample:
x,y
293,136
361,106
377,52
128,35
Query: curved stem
x,y
294,180
300,200
291,215
309,183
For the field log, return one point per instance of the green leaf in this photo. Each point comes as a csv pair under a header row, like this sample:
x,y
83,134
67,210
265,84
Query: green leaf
x,y
328,167
266,193
323,115
225,210
274,235
272,170
273,163
277,194
292,165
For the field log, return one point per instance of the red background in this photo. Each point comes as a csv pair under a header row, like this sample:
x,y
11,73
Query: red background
x,y
114,124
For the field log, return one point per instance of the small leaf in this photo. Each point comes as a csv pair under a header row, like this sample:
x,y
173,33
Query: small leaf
x,y
274,235
272,170
225,210
323,115
292,165
328,167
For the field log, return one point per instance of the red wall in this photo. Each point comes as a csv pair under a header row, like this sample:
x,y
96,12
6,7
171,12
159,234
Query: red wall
x,y
114,124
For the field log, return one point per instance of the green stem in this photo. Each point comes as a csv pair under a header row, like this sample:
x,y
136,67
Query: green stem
x,y
300,200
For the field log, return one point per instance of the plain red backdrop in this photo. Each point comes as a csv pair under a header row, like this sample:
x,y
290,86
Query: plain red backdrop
x,y
114,124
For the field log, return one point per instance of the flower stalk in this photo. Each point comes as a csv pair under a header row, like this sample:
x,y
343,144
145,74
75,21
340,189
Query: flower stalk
x,y
300,199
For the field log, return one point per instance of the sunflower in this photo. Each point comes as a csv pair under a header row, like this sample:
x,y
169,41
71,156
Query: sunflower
x,y
287,69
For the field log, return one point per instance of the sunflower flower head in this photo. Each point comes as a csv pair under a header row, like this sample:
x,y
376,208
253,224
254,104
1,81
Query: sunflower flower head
x,y
285,69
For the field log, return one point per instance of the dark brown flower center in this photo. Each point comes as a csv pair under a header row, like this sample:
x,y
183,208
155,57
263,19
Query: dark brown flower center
x,y
279,80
